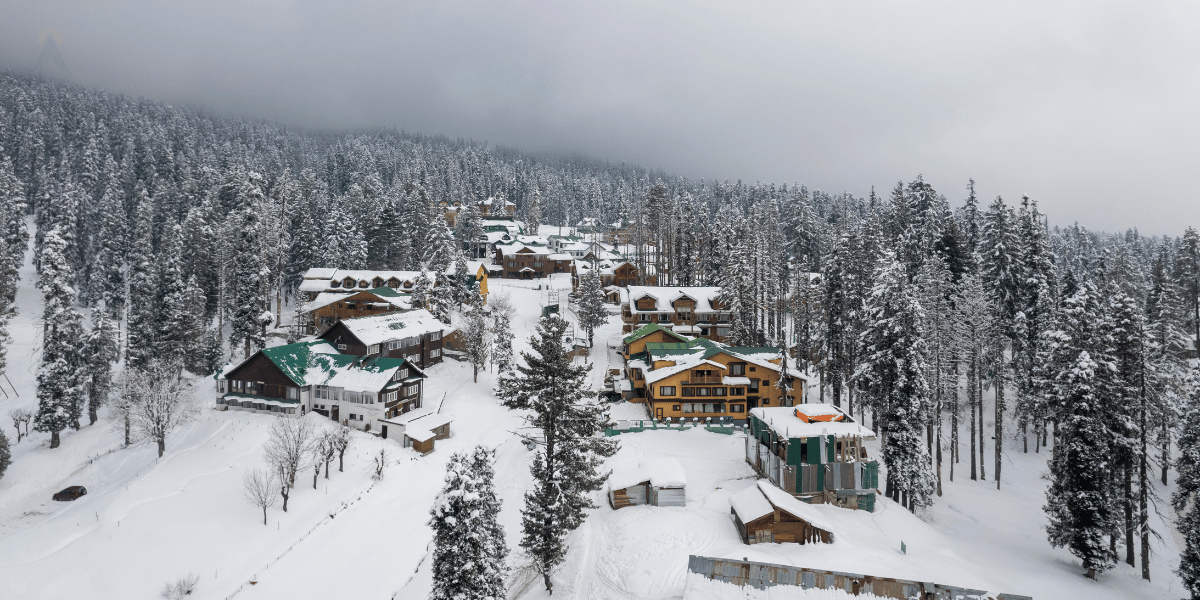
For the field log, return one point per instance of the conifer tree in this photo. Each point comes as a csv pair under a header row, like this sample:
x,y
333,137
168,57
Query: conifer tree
x,y
1187,493
247,295
174,320
5,454
592,311
101,351
893,372
464,280
59,387
143,306
107,278
567,466
502,353
468,542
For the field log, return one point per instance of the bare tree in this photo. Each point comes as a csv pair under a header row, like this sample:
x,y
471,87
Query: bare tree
x,y
289,445
157,400
258,486
381,461
342,437
21,416
181,588
322,452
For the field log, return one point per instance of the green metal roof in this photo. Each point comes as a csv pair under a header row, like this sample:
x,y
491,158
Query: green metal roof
x,y
293,359
651,328
387,292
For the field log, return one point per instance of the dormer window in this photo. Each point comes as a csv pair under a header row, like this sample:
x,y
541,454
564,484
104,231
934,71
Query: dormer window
x,y
348,282
364,284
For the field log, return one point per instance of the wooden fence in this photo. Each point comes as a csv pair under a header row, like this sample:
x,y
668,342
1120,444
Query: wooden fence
x,y
765,575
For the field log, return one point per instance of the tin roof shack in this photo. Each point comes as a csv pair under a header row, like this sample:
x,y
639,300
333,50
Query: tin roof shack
x,y
420,430
814,452
658,482
765,514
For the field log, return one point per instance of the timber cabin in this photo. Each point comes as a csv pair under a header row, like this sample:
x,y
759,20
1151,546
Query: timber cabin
x,y
414,335
693,311
659,482
814,452
702,379
529,261
329,307
362,392
764,514
617,273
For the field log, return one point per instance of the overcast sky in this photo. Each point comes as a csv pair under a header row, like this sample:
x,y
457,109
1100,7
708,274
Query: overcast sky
x,y
1089,107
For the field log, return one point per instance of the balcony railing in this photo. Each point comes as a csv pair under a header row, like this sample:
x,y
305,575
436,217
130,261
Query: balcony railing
x,y
695,379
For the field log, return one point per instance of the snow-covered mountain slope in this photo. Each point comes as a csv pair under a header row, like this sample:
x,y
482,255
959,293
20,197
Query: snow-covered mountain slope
x,y
147,521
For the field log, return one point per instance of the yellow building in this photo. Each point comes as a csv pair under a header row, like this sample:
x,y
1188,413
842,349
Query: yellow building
x,y
703,379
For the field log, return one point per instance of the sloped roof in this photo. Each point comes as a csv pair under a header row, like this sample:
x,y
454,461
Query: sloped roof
x,y
784,422
293,359
665,372
702,295
649,329
788,503
386,294
377,329
750,504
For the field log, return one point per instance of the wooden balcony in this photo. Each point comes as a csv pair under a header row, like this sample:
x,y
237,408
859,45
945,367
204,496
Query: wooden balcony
x,y
696,380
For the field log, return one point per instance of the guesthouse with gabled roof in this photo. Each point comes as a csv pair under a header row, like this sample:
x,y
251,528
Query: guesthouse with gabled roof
x,y
328,308
814,452
692,311
706,380
313,377
414,335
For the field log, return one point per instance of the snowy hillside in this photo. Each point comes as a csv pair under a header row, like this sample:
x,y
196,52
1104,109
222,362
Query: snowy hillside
x,y
147,521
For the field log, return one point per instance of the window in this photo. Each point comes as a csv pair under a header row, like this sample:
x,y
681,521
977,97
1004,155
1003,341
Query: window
x,y
251,387
293,393
664,318
436,352
411,390
390,396
437,335
737,369
221,385
752,369
373,349
737,391
666,390
737,408
341,346
675,408
643,317
687,408
538,264
351,305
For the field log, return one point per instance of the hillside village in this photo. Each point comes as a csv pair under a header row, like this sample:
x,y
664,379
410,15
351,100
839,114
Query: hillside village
x,y
699,391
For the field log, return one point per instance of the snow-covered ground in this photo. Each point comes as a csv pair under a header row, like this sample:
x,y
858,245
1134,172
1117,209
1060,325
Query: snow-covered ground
x,y
147,521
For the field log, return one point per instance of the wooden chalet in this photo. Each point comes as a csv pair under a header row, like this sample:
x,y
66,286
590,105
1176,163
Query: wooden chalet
x,y
327,308
692,311
814,452
525,261
764,514
702,379
414,335
313,377
318,281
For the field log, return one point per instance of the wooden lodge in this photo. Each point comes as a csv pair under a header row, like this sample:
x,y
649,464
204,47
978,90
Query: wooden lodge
x,y
531,261
706,380
325,281
765,514
814,452
296,379
692,311
328,308
414,335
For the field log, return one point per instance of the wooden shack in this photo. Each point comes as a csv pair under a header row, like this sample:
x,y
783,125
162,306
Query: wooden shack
x,y
767,514
421,432
658,482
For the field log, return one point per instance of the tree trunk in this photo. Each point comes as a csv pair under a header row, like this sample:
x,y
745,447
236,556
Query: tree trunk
x,y
54,439
162,446
971,373
264,516
341,462
982,430
92,416
127,427
1129,513
1143,484
1091,574
327,468
1165,461
549,586
999,406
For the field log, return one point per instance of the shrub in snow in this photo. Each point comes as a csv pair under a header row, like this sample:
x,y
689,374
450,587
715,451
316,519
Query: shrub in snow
x,y
380,463
181,588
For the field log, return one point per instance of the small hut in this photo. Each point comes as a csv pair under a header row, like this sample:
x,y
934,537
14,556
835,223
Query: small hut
x,y
421,432
657,483
767,514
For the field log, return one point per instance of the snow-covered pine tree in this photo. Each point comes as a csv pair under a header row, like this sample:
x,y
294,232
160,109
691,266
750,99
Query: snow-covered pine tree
x,y
5,454
937,294
567,466
1002,277
14,233
141,327
476,334
101,351
1079,501
1188,268
468,542
246,284
592,311
974,313
533,211
441,299
464,280
422,291
502,353
174,319
107,277
1187,493
893,368
59,372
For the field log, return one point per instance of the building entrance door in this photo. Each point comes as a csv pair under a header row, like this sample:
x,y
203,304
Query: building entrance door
x,y
334,413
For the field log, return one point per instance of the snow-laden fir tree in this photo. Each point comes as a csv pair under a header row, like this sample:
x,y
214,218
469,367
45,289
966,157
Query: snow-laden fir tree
x,y
464,280
142,322
60,388
1002,276
107,277
973,312
174,319
14,234
476,332
1186,499
533,211
1080,503
5,454
246,281
592,311
893,368
422,291
566,467
100,352
502,336
469,550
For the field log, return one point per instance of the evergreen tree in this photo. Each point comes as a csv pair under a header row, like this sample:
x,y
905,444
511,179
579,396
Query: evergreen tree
x,y
464,280
533,211
476,333
422,291
107,278
5,454
592,311
14,233
141,328
566,467
468,541
1187,493
101,352
895,361
174,319
246,282
59,387
502,353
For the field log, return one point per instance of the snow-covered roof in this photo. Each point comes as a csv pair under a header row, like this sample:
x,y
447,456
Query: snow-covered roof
x,y
735,380
665,372
703,296
519,248
660,473
323,299
750,504
319,273
560,256
784,422
317,363
377,329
